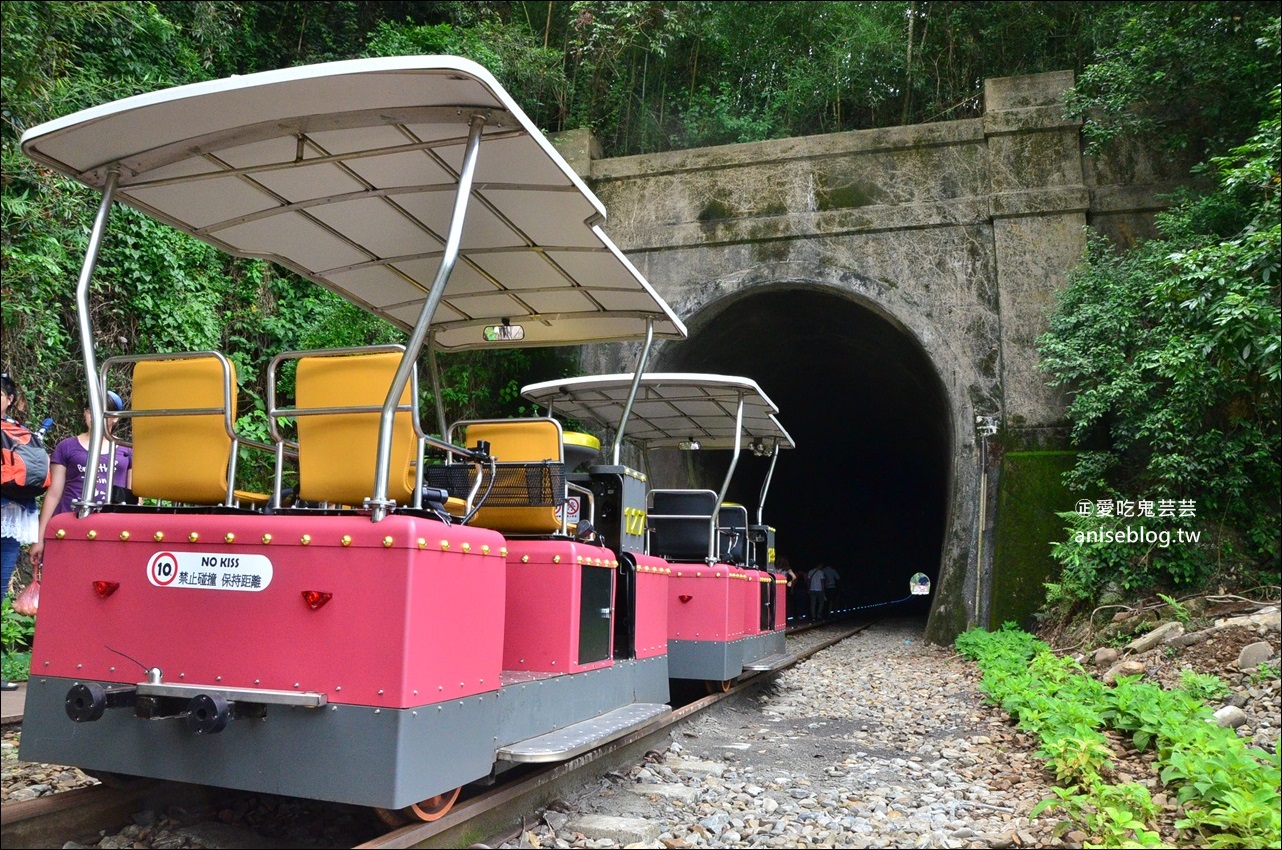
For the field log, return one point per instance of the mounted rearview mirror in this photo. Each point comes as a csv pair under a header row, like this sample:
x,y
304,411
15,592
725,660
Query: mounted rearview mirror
x,y
503,333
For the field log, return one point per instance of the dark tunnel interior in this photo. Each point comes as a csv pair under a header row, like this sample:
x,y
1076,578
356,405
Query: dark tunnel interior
x,y
866,489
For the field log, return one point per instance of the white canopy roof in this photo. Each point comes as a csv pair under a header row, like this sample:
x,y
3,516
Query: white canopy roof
x,y
346,173
670,408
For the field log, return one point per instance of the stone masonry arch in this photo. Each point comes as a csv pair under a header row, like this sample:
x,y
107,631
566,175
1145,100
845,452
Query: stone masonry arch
x,y
867,489
955,236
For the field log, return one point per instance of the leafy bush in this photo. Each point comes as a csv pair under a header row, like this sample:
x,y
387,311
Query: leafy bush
x,y
1228,789
16,633
1203,686
1170,353
1096,554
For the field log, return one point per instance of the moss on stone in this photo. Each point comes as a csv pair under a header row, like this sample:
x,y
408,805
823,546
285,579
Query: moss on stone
x,y
1032,491
716,210
846,196
770,250
948,615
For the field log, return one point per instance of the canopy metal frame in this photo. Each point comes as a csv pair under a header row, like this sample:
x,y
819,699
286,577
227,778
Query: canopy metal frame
x,y
679,408
340,172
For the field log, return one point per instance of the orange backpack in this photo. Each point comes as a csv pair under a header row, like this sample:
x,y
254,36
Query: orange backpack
x,y
25,463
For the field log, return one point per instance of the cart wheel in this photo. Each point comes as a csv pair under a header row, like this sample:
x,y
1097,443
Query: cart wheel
x,y
433,808
426,811
715,687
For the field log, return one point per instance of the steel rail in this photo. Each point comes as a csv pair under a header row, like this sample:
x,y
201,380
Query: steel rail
x,y
84,813
490,814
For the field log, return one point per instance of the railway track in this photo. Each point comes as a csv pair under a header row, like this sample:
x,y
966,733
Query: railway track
x,y
83,815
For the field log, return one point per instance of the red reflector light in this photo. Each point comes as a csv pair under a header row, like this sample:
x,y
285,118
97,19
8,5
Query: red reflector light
x,y
685,597
316,599
105,588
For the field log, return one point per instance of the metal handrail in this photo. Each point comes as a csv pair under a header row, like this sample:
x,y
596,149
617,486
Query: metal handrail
x,y
453,242
96,391
224,410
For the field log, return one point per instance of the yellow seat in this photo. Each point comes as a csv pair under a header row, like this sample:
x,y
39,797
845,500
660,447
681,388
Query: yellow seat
x,y
530,481
579,448
337,452
186,457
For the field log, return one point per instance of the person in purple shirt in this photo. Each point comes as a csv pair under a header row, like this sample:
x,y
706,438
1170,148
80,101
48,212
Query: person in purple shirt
x,y
67,476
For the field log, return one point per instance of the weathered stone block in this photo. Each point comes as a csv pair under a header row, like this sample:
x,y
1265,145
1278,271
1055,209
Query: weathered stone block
x,y
680,793
621,831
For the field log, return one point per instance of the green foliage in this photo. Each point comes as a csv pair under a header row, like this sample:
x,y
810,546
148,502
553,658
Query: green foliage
x,y
653,75
1228,789
1203,686
170,288
1264,671
1202,50
1130,554
487,384
533,74
1179,611
62,56
16,633
1171,354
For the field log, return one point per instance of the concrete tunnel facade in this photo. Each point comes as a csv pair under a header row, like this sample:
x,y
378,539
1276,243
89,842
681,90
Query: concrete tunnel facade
x,y
883,482
886,288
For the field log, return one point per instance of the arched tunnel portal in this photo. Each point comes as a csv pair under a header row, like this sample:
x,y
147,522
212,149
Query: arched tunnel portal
x,y
867,487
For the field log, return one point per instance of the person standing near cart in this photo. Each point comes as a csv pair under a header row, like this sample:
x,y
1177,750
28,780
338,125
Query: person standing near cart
x,y
69,473
831,577
19,514
815,582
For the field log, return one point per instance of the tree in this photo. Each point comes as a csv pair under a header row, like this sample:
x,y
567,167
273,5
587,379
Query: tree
x,y
1191,74
1171,354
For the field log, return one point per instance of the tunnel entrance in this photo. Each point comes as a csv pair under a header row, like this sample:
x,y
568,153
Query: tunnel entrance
x,y
867,488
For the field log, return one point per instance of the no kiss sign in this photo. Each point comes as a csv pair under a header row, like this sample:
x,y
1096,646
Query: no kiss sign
x,y
209,571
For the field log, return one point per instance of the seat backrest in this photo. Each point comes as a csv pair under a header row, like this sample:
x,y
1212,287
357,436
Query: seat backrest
x,y
530,479
732,534
337,452
680,523
183,457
